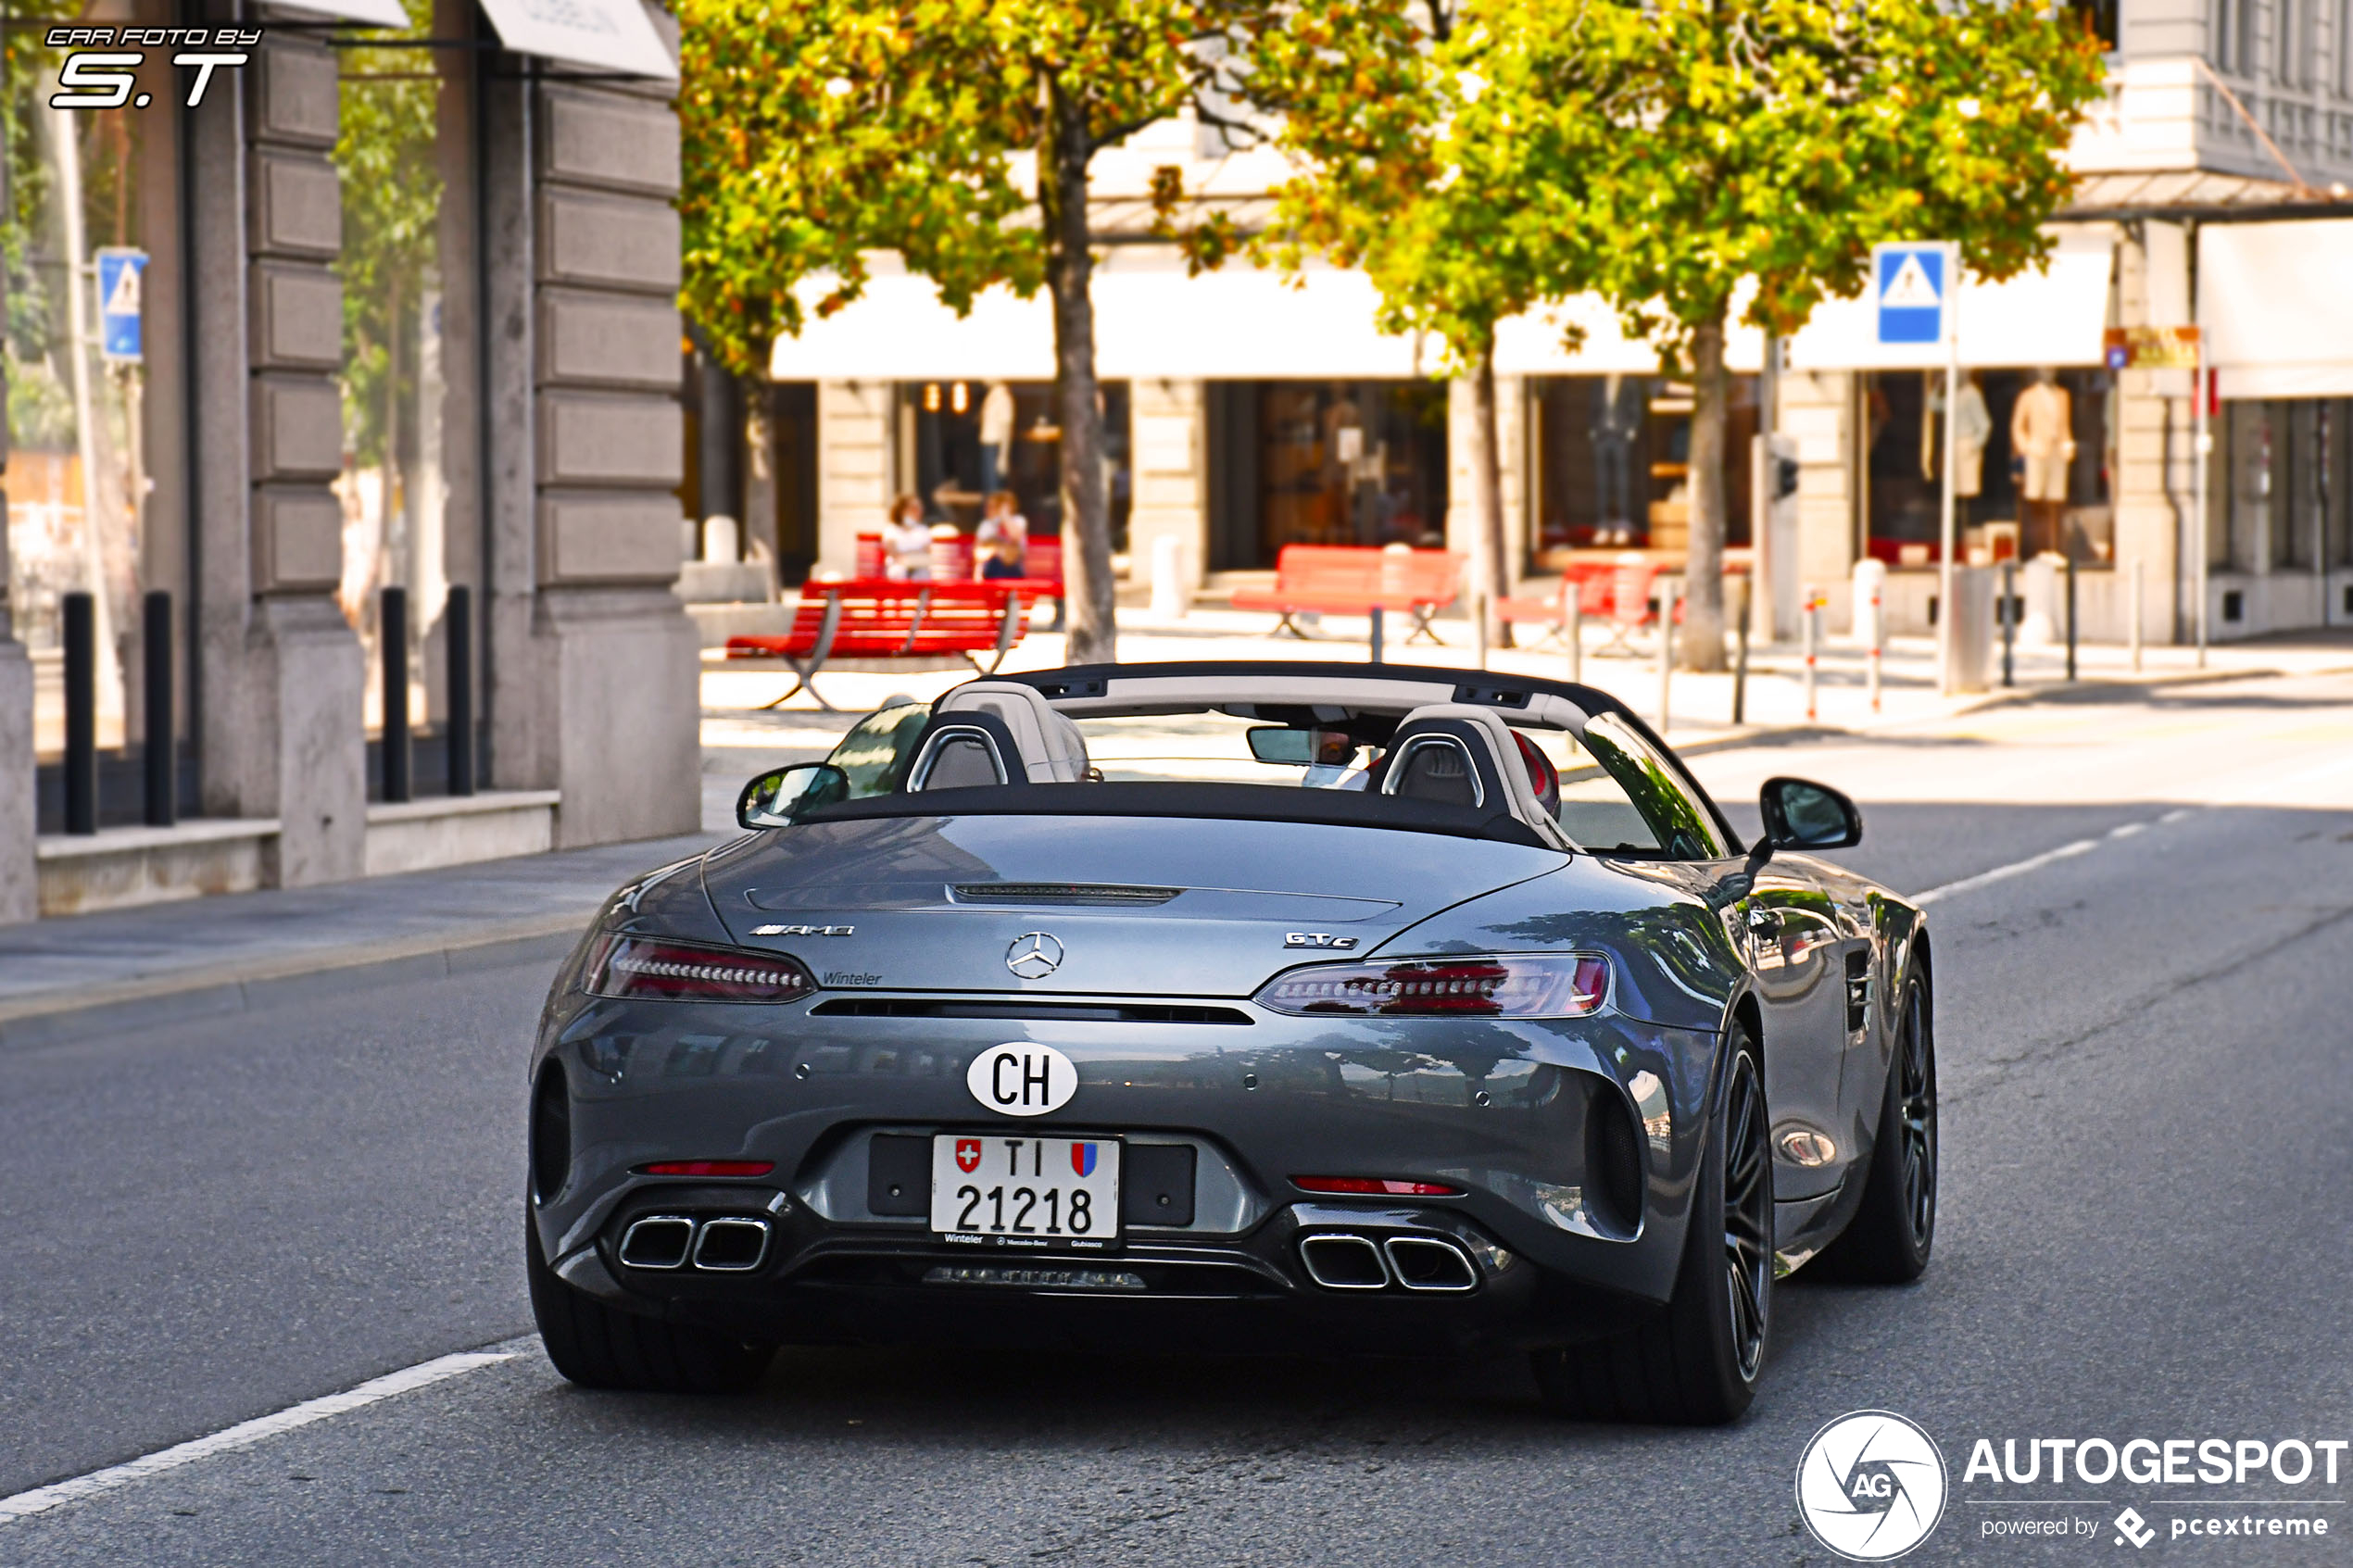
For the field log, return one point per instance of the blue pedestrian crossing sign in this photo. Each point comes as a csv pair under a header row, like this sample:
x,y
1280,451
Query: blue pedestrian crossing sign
x,y
1912,292
119,337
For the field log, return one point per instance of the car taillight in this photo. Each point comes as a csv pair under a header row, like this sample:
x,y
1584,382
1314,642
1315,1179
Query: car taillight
x,y
1503,985
647,969
1374,1186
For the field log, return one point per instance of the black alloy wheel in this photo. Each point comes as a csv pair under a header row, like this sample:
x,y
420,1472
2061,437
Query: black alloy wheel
x,y
1916,1108
1894,1230
1748,1214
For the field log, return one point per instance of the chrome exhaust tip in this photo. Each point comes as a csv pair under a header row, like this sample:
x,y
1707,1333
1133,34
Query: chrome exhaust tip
x,y
1427,1263
658,1241
1338,1261
731,1246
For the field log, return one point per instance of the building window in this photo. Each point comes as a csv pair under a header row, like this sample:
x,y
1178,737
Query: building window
x,y
2033,473
1612,465
1324,463
2097,17
960,439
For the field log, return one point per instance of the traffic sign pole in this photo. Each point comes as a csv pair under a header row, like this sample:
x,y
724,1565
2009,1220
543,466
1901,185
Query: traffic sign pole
x,y
1946,610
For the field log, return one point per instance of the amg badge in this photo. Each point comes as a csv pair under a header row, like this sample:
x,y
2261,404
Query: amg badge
x,y
802,930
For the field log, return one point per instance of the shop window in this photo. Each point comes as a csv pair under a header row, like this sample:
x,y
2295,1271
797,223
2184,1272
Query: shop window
x,y
1324,463
89,197
2035,466
959,440
393,487
2097,17
1612,465
2241,473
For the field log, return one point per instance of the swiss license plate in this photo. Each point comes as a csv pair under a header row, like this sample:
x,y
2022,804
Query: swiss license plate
x,y
991,1190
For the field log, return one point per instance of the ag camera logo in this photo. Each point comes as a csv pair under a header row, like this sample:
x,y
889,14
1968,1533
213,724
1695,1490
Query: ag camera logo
x,y
1871,1485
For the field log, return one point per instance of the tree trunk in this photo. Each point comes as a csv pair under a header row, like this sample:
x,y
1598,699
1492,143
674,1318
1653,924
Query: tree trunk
x,y
1491,576
1700,642
1062,200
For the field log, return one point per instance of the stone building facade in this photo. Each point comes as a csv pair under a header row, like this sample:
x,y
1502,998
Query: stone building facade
x,y
528,454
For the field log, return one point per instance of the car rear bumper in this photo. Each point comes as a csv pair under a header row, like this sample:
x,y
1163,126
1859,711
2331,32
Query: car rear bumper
x,y
1542,1243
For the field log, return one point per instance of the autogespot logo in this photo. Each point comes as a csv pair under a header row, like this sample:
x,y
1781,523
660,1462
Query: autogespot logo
x,y
1870,1486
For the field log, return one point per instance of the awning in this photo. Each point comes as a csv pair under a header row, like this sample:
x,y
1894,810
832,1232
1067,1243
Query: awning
x,y
2052,318
2274,307
367,13
1239,323
614,36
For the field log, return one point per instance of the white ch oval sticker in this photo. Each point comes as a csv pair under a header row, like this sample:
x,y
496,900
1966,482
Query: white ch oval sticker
x,y
1021,1080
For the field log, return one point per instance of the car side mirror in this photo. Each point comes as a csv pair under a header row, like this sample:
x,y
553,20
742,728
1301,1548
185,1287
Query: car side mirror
x,y
1800,814
1279,742
775,799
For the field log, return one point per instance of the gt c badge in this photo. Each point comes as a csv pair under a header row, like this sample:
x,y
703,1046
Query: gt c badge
x,y
1020,1080
1317,939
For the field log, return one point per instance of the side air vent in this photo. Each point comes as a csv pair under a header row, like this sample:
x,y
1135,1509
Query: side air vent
x,y
1613,1165
1074,1013
1858,989
1066,894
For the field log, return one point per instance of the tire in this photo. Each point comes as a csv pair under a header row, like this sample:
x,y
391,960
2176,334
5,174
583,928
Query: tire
x,y
1894,1230
1697,1362
598,1346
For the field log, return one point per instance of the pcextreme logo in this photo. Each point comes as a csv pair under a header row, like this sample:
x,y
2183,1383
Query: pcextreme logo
x,y
1871,1485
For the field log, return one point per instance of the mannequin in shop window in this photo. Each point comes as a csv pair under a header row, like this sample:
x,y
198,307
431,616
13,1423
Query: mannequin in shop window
x,y
1619,405
1972,428
2042,435
996,435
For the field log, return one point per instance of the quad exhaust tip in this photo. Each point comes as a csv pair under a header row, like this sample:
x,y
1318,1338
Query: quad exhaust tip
x,y
731,1245
1427,1263
1340,1260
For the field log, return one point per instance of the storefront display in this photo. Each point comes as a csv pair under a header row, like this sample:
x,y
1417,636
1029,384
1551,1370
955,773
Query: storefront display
x,y
1613,464
2034,470
1324,463
960,441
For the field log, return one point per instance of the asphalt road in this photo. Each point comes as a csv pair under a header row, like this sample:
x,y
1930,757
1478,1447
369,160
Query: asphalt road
x,y
2148,1144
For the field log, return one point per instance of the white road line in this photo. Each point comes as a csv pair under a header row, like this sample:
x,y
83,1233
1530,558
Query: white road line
x,y
2049,857
246,1434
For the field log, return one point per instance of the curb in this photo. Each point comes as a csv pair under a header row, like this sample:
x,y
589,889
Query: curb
x,y
42,1020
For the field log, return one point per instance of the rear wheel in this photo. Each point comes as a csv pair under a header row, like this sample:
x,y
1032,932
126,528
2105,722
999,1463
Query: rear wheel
x,y
1894,1229
598,1346
1697,1362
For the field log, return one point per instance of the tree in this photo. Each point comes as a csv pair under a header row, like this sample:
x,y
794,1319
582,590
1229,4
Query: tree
x,y
959,133
1765,145
1411,150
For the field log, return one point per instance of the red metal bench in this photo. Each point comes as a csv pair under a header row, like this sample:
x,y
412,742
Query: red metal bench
x,y
870,620
1356,580
1591,581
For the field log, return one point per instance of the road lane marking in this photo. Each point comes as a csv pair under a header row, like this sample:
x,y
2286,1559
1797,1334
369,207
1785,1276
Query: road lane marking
x,y
2049,857
246,1434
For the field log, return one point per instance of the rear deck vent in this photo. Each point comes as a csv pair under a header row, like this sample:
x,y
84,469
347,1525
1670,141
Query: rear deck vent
x,y
1073,1012
1066,894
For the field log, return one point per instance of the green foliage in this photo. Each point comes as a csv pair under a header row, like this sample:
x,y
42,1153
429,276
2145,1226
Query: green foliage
x,y
385,152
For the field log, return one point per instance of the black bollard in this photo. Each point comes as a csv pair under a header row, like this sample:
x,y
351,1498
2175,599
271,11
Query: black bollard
x,y
1375,636
80,616
2070,610
458,725
392,647
163,798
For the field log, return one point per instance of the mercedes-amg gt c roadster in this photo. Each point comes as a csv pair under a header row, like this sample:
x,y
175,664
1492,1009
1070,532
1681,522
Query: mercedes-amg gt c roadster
x,y
1237,1006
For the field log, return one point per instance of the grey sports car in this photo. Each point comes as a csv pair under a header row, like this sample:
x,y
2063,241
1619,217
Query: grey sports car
x,y
1236,1005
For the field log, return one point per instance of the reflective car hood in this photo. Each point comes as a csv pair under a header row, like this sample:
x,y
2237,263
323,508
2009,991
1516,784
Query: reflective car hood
x,y
1136,906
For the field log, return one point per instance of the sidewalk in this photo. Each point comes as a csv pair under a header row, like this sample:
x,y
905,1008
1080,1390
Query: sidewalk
x,y
86,974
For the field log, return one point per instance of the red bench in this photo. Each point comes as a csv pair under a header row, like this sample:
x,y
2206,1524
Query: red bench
x,y
1357,580
1592,581
871,619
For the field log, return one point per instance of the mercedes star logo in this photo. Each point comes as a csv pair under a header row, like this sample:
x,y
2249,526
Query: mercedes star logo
x,y
1034,955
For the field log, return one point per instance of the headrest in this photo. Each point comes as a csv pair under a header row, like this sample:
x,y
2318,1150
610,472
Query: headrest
x,y
963,751
1511,788
1049,745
